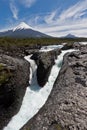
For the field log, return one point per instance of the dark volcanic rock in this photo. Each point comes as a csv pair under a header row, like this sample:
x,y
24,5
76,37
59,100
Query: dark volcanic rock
x,y
66,108
16,51
77,45
71,45
67,46
14,77
45,61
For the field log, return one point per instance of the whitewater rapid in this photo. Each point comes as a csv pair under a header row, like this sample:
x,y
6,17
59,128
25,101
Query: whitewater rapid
x,y
35,96
83,43
51,47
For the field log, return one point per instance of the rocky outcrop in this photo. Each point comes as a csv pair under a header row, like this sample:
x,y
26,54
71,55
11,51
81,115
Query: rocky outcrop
x,y
14,78
18,51
45,61
66,108
67,46
71,45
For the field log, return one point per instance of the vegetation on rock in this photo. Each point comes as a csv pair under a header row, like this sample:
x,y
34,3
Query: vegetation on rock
x,y
5,74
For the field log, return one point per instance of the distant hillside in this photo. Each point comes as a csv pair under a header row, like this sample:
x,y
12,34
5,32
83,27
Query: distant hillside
x,y
70,36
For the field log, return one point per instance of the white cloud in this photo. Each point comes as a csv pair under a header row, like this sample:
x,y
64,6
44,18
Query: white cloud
x,y
50,17
14,9
72,20
74,10
27,3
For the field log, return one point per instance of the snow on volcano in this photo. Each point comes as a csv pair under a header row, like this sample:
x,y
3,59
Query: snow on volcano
x,y
21,26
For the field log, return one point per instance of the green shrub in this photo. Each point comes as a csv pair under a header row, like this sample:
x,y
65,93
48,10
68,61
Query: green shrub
x,y
19,42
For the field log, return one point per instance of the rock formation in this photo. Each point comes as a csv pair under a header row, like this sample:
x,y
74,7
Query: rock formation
x,y
45,61
14,78
66,108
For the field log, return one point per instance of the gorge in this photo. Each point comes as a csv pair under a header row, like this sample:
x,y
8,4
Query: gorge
x,y
36,96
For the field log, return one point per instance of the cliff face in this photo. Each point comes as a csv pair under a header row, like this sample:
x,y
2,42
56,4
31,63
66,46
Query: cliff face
x,y
14,78
66,107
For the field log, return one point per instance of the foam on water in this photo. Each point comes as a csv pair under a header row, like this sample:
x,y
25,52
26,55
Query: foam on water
x,y
50,48
83,43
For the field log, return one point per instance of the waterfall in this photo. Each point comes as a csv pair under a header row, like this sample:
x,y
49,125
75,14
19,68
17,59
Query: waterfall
x,y
33,68
35,96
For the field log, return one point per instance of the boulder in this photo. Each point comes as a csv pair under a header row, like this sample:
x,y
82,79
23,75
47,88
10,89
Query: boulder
x,y
72,45
67,46
45,61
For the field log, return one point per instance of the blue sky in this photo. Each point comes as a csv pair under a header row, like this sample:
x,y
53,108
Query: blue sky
x,y
53,17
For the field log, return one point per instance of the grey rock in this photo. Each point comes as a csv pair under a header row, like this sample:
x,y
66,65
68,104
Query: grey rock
x,y
66,107
14,78
44,61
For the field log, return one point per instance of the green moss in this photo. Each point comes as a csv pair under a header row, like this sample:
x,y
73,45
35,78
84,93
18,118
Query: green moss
x,y
1,67
4,78
58,127
5,74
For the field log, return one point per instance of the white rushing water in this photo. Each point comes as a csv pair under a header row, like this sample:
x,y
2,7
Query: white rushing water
x,y
83,43
50,47
35,97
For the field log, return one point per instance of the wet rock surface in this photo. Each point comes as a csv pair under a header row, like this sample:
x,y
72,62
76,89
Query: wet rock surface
x,y
45,61
14,78
66,107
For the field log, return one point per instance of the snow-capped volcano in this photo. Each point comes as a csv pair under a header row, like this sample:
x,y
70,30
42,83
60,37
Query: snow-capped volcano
x,y
21,26
23,31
